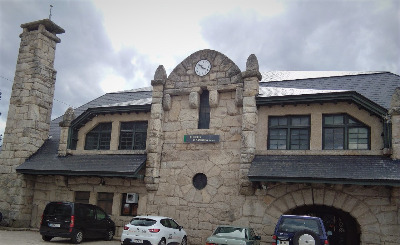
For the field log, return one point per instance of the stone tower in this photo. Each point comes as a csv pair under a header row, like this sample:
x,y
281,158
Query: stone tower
x,y
29,115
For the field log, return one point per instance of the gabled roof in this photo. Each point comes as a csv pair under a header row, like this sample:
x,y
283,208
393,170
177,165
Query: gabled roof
x,y
47,161
376,88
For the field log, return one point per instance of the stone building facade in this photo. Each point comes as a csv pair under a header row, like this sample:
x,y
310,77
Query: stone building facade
x,y
210,144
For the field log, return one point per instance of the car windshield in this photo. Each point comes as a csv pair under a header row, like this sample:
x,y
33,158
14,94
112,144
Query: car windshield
x,y
58,209
296,224
230,232
142,222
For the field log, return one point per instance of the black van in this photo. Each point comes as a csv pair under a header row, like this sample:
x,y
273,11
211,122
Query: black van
x,y
75,221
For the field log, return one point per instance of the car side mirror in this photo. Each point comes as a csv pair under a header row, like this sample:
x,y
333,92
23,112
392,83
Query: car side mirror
x,y
329,233
257,238
180,228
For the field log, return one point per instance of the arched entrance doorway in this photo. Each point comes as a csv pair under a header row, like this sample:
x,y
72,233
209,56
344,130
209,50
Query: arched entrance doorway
x,y
345,229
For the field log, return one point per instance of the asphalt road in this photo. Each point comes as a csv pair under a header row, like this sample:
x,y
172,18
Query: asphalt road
x,y
12,237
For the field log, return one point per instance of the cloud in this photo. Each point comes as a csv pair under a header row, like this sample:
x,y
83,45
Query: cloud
x,y
117,45
312,35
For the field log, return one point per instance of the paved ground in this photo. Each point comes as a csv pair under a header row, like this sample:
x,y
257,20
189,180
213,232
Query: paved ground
x,y
13,237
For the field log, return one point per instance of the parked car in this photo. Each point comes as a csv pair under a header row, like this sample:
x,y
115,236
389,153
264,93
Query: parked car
x,y
153,230
76,221
300,230
233,235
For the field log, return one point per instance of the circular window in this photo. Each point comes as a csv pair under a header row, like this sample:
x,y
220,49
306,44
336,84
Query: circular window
x,y
200,181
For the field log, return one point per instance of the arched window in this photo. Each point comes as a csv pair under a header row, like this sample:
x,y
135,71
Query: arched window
x,y
204,111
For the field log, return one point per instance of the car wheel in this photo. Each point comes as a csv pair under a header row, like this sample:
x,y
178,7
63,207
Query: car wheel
x,y
77,237
306,237
184,241
162,242
109,235
47,238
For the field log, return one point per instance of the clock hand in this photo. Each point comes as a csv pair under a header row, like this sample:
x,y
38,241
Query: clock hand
x,y
201,66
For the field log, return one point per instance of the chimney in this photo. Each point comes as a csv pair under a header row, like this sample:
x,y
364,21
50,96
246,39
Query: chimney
x,y
29,114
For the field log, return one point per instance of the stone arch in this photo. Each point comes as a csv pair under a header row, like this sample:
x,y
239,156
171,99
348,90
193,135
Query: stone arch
x,y
357,208
224,71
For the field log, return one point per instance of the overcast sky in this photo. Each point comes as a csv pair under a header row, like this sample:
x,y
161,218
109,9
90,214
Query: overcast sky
x,y
114,45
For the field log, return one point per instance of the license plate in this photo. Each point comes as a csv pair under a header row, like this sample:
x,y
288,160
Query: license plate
x,y
282,242
54,225
137,241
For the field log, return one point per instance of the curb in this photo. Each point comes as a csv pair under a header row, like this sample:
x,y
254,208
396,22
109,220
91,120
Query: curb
x,y
5,228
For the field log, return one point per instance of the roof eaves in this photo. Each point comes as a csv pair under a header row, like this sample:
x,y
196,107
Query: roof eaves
x,y
350,96
284,179
91,112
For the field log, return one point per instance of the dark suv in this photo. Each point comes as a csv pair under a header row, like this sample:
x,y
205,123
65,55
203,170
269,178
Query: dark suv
x,y
300,230
75,221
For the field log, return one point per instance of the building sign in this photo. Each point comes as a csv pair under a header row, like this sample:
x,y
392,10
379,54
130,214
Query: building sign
x,y
210,138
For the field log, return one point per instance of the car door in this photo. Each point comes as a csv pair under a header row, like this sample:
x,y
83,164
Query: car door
x,y
85,219
166,230
101,223
177,232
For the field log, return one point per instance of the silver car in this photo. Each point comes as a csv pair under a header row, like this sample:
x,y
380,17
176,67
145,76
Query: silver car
x,y
153,230
233,235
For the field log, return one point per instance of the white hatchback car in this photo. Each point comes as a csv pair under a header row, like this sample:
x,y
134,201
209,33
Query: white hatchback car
x,y
153,230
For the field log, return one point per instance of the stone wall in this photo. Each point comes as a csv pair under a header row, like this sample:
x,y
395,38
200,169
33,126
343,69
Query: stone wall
x,y
376,209
61,188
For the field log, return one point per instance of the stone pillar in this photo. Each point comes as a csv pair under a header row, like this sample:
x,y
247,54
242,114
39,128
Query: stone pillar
x,y
394,112
68,117
251,80
29,114
155,131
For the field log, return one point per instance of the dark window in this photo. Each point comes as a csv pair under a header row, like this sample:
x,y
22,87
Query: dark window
x,y
296,224
173,224
200,181
289,133
82,196
128,209
204,111
105,201
100,215
133,136
142,222
99,138
343,132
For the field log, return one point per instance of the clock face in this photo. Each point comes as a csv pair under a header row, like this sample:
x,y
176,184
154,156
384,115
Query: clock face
x,y
202,67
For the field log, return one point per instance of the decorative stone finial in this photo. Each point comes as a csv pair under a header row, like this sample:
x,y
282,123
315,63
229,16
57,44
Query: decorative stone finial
x,y
252,63
252,68
160,73
68,117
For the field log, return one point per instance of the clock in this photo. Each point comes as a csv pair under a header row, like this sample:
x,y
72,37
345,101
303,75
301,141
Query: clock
x,y
202,67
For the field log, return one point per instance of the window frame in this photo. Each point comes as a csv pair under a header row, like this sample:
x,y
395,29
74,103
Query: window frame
x,y
289,127
105,202
136,128
345,126
204,110
80,199
99,131
133,207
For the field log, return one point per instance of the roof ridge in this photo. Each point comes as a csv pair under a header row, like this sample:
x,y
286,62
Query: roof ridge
x,y
318,75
